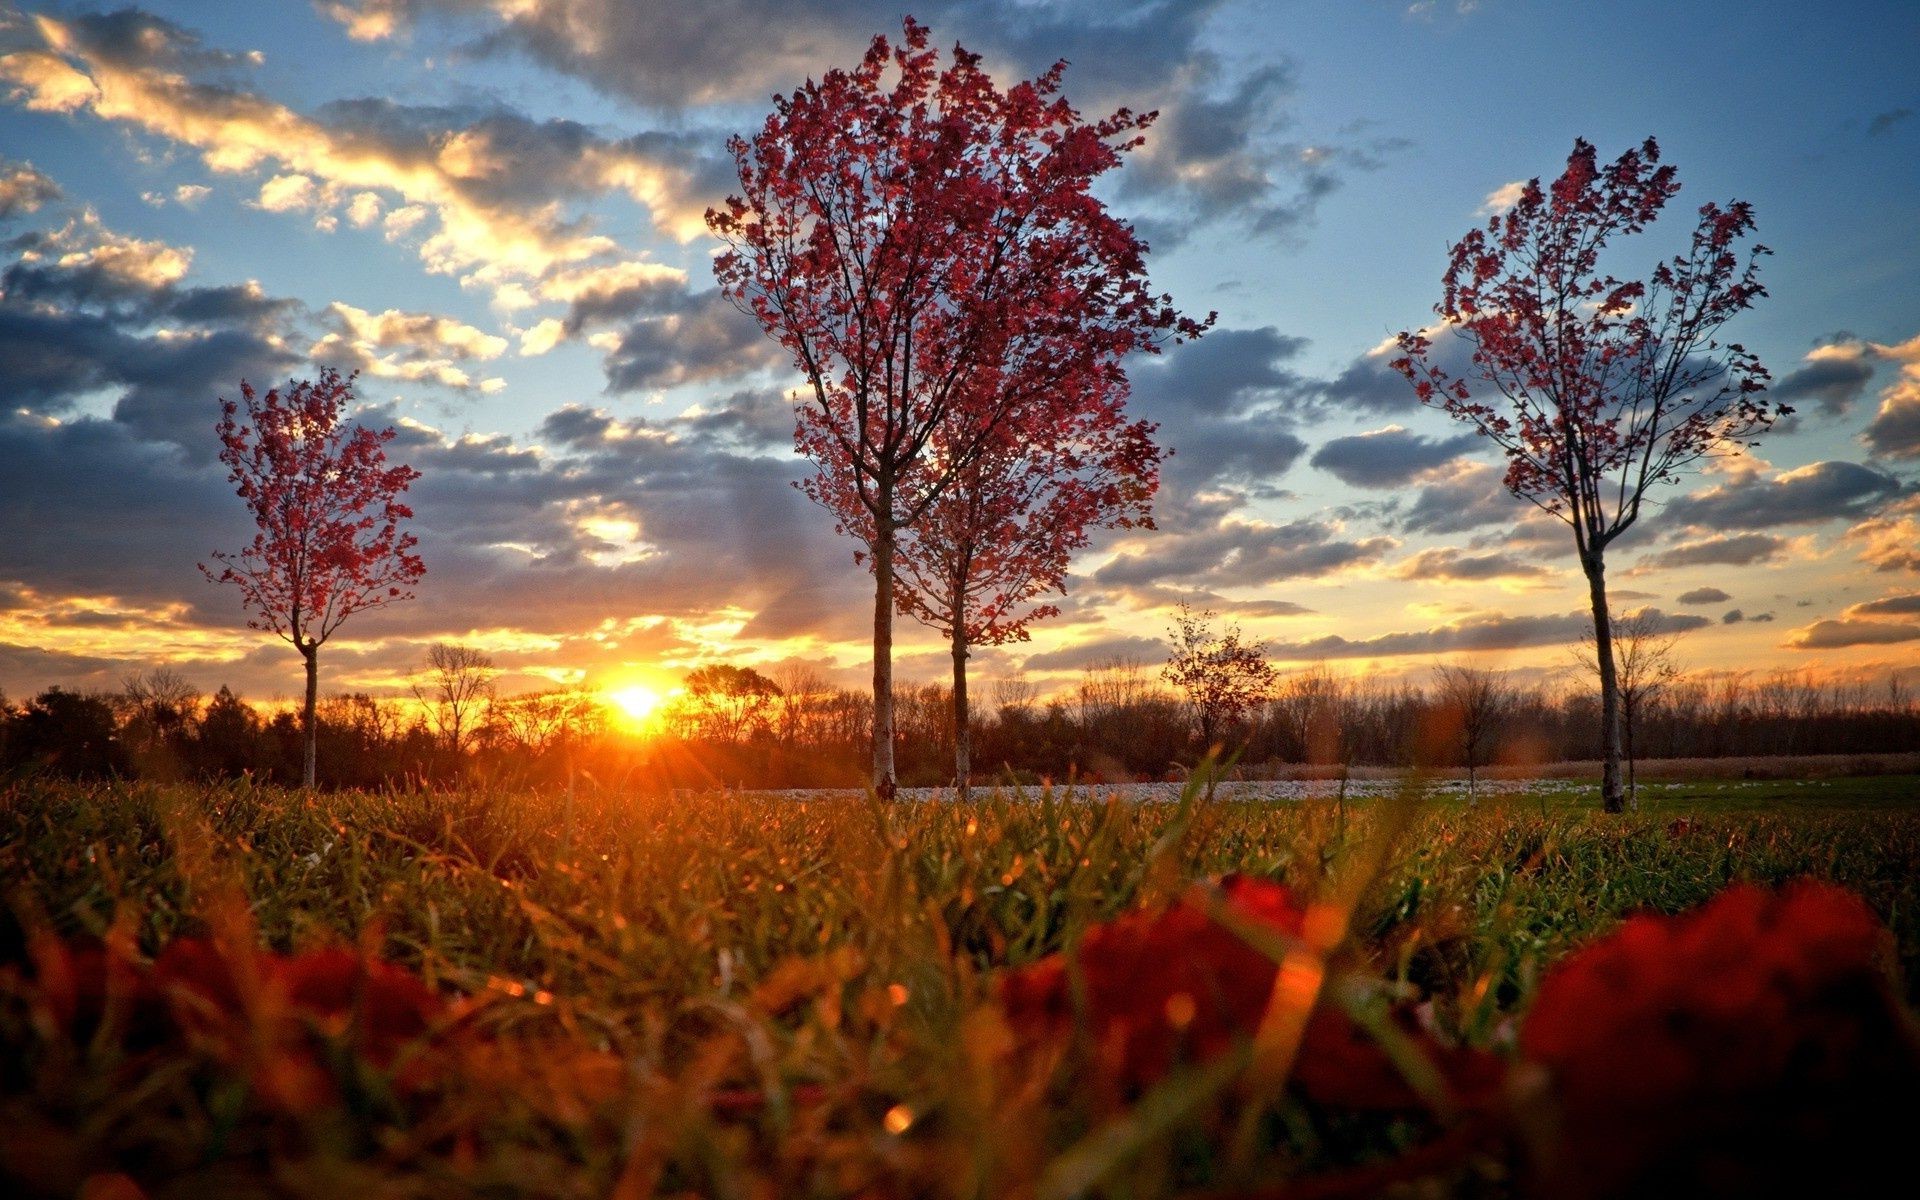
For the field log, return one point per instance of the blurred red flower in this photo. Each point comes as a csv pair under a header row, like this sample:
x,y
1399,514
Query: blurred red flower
x,y
1175,986
273,1013
1753,1046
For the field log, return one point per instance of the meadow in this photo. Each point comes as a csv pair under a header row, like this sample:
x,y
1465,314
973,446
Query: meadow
x,y
739,995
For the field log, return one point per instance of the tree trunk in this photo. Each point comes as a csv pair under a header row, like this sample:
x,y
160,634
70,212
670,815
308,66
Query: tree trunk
x,y
962,734
1611,796
307,722
883,781
1626,725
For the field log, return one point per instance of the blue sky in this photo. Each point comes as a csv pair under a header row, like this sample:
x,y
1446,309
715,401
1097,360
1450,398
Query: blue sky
x,y
492,209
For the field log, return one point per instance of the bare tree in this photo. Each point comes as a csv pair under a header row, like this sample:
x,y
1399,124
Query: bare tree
x,y
1223,677
1479,700
1014,693
1644,661
457,685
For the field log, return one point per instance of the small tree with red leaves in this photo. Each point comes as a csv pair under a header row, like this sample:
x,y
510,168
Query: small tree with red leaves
x,y
929,250
328,509
1224,678
977,563
1596,389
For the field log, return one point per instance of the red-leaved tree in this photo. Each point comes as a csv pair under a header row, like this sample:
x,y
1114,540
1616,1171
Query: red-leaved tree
x,y
929,250
979,561
1597,388
328,508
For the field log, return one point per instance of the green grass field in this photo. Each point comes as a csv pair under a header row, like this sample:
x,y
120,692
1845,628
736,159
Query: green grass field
x,y
734,996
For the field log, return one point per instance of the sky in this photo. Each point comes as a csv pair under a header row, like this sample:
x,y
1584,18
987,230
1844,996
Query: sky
x,y
493,210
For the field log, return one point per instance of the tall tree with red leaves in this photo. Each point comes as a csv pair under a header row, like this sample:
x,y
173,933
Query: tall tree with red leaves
x,y
328,508
979,561
929,250
1594,388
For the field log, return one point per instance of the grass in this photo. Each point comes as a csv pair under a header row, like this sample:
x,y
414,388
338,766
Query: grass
x,y
631,958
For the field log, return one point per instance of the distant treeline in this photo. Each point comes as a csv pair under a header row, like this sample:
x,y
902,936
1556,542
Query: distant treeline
x,y
743,729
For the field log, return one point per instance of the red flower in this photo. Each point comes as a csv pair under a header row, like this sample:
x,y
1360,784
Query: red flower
x,y
1162,988
269,1014
1750,1047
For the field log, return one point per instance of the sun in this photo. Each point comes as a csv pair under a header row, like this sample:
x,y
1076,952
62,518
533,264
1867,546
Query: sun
x,y
634,704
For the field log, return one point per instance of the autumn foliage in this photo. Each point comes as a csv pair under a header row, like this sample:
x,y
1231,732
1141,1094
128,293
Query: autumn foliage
x,y
929,250
327,506
1597,388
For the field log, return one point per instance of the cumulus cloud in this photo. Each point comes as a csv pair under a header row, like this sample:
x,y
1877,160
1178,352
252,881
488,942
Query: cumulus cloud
x,y
1222,149
1704,595
1808,495
1890,539
1471,497
1734,550
1389,457
1895,429
1097,652
1455,565
1240,553
1837,635
417,347
85,310
1903,605
1484,632
1833,376
23,189
496,181
1226,406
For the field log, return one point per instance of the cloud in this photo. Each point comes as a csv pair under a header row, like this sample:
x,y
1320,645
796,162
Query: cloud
x,y
1883,122
1822,491
1221,150
411,346
1452,564
496,181
689,338
23,189
1487,632
1736,550
1226,405
1238,553
1891,537
1895,429
1836,635
1734,616
85,310
1903,605
1096,652
1473,497
1834,376
1502,198
1704,595
1389,457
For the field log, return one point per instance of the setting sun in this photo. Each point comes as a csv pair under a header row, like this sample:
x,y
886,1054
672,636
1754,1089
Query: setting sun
x,y
634,704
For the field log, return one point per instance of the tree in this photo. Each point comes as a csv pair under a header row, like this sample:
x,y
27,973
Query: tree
x,y
457,684
977,562
932,256
729,703
1596,389
1644,663
328,512
1223,677
1475,702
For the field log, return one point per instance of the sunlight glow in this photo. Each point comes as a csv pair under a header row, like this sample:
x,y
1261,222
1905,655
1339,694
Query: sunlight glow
x,y
634,705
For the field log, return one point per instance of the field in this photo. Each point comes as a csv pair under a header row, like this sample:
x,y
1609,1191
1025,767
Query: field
x,y
737,995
